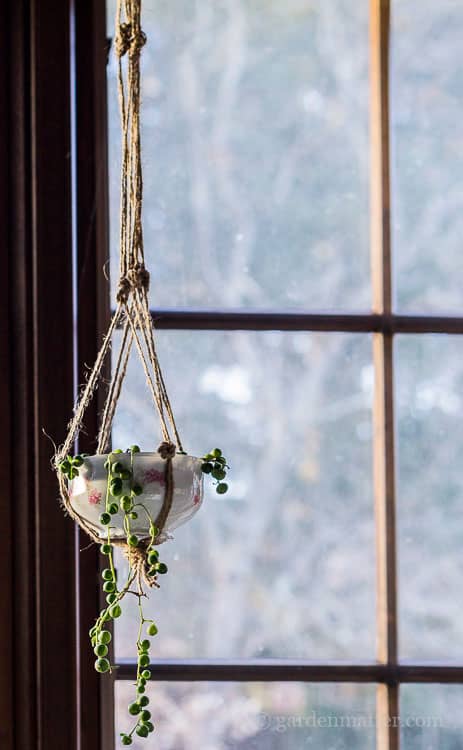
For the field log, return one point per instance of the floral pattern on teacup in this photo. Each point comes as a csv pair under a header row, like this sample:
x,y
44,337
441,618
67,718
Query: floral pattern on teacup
x,y
196,490
154,475
94,497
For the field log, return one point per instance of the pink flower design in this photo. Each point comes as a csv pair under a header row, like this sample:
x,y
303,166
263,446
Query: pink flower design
x,y
154,475
94,497
196,490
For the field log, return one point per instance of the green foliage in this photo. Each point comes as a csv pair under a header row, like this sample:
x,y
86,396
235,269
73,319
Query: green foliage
x,y
121,497
215,464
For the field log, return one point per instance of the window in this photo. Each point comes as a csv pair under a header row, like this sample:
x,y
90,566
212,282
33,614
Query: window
x,y
285,149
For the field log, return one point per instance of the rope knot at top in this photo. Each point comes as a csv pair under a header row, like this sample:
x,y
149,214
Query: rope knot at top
x,y
135,278
129,40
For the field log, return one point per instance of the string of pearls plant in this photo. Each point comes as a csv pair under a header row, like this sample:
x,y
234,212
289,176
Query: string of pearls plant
x,y
122,497
215,464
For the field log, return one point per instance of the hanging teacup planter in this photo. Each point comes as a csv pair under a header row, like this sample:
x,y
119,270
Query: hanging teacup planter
x,y
131,499
137,483
134,500
140,484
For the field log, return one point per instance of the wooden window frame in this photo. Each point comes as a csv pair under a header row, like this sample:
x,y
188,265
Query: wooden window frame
x,y
56,230
54,243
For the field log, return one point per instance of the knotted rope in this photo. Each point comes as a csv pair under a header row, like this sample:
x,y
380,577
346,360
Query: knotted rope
x,y
137,559
128,39
132,313
136,278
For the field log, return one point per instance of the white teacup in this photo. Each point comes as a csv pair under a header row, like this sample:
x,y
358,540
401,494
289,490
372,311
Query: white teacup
x,y
88,492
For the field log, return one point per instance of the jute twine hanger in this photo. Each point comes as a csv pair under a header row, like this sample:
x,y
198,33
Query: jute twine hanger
x,y
132,314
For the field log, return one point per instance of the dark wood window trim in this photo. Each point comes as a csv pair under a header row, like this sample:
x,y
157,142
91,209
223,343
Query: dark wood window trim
x,y
252,320
89,50
53,145
288,670
36,241
53,204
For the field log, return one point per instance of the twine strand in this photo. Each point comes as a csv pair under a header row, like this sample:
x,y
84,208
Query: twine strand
x,y
114,391
132,306
88,391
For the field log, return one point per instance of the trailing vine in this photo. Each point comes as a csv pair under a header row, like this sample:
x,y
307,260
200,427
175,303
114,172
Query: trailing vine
x,y
215,464
122,496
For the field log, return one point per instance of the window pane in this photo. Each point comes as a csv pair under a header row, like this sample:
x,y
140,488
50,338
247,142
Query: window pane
x,y
427,101
255,136
256,716
429,401
283,565
431,717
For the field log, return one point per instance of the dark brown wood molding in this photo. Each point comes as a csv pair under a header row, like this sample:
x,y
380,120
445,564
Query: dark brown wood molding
x,y
53,366
285,320
96,705
18,705
6,412
285,670
38,687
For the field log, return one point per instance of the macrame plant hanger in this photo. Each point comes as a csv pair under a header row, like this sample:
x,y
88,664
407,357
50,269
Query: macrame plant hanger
x,y
132,314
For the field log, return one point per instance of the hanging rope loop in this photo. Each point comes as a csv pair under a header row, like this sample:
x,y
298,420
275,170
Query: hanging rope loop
x,y
132,315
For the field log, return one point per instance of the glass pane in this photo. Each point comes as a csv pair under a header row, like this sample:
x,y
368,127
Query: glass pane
x,y
431,717
427,101
283,565
429,405
255,136
255,716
